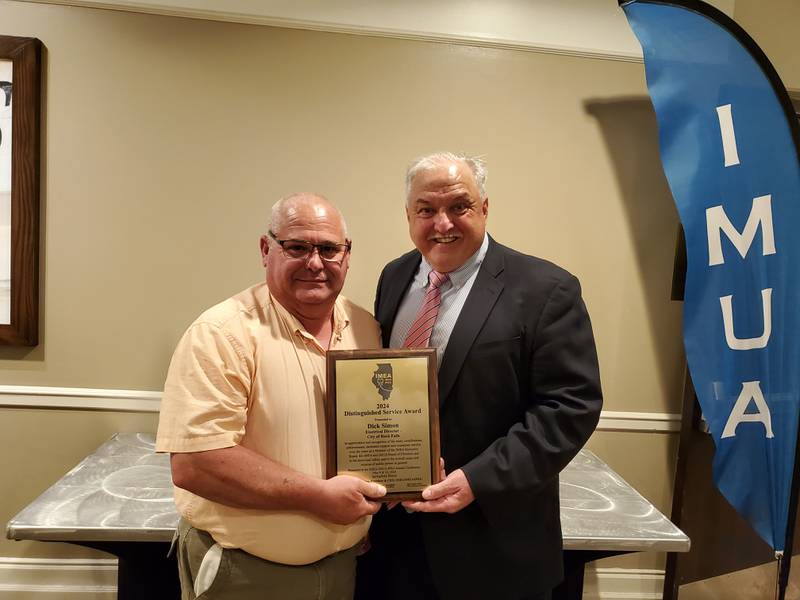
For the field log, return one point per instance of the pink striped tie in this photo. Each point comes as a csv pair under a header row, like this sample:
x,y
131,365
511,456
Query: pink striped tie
x,y
420,333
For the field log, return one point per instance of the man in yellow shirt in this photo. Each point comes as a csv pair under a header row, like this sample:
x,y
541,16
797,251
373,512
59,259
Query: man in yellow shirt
x,y
243,418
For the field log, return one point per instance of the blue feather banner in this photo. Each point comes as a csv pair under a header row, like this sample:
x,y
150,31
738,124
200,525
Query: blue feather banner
x,y
729,151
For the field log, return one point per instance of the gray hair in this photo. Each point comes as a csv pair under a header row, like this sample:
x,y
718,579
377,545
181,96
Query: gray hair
x,y
431,161
277,215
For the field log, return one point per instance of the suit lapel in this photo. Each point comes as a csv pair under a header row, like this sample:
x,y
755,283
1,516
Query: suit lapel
x,y
393,293
482,297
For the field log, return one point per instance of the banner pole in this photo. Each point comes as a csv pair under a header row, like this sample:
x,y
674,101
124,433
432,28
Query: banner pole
x,y
786,562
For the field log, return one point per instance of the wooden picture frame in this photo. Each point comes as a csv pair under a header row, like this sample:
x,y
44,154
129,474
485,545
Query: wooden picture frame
x,y
385,440
19,321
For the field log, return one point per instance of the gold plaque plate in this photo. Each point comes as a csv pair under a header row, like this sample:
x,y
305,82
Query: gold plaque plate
x,y
382,412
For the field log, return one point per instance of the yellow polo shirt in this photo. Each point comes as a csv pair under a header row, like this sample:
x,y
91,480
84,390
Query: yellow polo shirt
x,y
247,372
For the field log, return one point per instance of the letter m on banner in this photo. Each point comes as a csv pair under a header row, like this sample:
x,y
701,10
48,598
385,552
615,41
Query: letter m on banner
x,y
729,146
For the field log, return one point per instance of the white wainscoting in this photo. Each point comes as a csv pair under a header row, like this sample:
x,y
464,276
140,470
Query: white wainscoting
x,y
40,397
31,396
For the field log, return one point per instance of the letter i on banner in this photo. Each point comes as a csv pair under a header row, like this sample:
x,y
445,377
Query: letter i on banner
x,y
728,135
729,147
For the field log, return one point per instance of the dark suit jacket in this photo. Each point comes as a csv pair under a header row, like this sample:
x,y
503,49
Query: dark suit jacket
x,y
519,393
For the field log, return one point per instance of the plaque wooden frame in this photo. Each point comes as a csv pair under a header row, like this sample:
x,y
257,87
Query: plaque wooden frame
x,y
332,430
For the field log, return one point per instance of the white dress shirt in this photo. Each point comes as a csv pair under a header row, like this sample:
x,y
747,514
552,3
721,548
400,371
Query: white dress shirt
x,y
454,293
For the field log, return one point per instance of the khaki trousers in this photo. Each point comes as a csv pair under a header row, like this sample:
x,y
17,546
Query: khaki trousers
x,y
210,572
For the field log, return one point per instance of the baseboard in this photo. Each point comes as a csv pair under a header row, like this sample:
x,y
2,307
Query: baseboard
x,y
66,398
96,579
623,584
54,578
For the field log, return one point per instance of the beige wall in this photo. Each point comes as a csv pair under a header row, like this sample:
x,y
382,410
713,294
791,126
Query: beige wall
x,y
166,140
774,24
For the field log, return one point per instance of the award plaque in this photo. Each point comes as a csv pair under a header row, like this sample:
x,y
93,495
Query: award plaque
x,y
382,413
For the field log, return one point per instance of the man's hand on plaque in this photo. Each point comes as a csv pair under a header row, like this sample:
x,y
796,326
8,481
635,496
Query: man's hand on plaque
x,y
345,499
448,496
390,504
442,476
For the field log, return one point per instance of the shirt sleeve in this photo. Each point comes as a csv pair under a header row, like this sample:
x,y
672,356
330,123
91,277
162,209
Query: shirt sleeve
x,y
205,401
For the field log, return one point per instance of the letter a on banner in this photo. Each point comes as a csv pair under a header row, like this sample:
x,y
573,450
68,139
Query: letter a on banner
x,y
729,146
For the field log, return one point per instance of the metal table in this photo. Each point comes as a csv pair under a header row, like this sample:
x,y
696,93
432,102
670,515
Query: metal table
x,y
602,516
119,499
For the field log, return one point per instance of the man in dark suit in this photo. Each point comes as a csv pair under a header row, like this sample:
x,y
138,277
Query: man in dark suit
x,y
519,393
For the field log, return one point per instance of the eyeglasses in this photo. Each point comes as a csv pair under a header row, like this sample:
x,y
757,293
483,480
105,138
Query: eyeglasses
x,y
300,249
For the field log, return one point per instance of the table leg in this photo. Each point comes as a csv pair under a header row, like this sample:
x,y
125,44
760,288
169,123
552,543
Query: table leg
x,y
144,570
574,568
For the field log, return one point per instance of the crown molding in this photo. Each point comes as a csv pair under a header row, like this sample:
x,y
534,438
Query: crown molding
x,y
422,22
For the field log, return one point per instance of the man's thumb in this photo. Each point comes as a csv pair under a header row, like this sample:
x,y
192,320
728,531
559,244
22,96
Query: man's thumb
x,y
435,491
373,489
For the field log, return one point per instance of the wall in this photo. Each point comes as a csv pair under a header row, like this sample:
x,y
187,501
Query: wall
x,y
773,25
166,140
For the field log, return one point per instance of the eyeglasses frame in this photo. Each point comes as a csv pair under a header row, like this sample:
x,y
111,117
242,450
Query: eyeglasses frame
x,y
348,246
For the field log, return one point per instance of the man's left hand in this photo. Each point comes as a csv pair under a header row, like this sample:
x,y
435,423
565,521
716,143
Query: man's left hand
x,y
448,496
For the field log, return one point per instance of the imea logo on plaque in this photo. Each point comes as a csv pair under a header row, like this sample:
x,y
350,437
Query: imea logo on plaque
x,y
382,379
